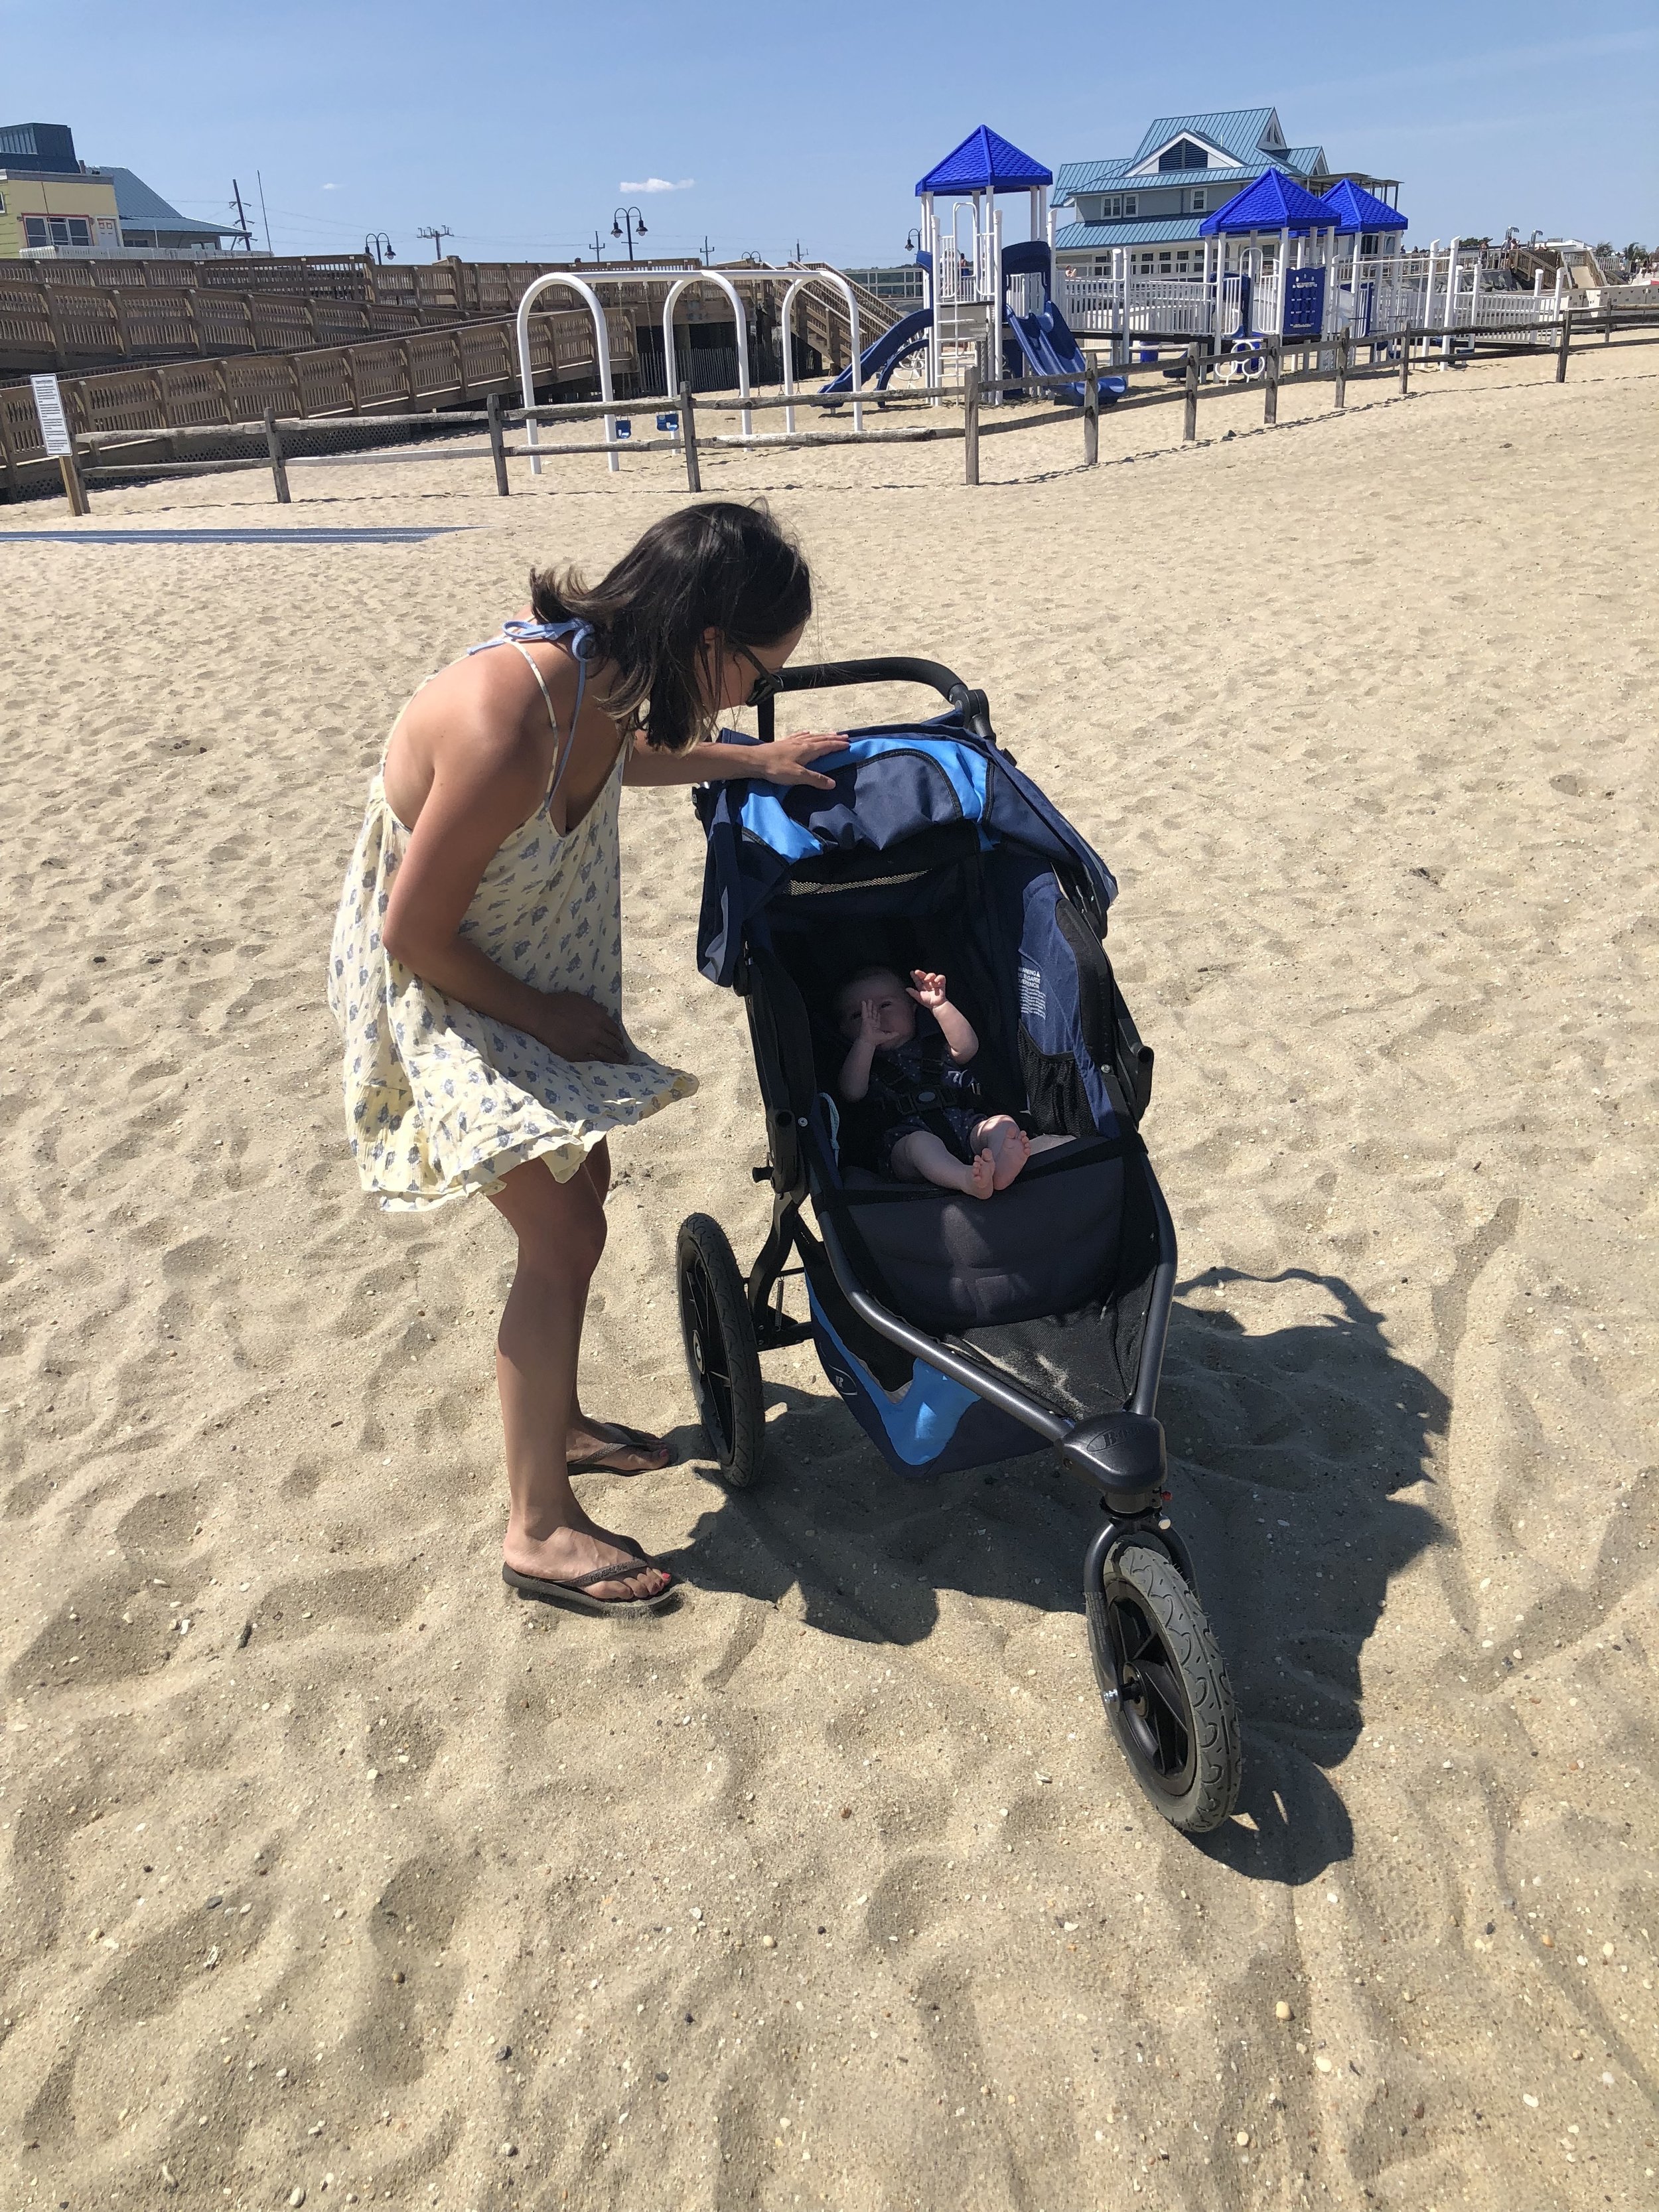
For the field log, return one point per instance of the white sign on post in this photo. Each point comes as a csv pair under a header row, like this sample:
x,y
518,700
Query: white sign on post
x,y
54,423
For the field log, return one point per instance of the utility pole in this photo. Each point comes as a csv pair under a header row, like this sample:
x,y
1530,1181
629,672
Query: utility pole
x,y
599,247
708,251
264,215
241,218
437,232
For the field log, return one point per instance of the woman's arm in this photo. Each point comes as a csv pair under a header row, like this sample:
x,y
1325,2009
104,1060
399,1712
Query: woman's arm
x,y
486,781
786,760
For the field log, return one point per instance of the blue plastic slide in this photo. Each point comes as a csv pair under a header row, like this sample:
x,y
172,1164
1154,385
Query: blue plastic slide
x,y
908,335
1049,344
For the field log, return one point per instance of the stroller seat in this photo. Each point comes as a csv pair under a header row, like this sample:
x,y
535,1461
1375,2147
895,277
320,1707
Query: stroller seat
x,y
951,1263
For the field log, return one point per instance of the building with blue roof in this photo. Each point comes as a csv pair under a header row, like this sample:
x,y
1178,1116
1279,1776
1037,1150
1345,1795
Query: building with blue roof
x,y
1151,206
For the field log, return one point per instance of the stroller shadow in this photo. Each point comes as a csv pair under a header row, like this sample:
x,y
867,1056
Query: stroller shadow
x,y
1287,1446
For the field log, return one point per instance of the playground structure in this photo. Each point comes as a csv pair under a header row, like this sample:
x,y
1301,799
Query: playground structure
x,y
986,305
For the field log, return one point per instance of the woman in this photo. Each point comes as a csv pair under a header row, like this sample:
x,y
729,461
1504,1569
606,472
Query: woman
x,y
476,964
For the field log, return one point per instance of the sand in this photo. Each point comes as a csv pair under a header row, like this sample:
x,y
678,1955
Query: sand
x,y
332,1869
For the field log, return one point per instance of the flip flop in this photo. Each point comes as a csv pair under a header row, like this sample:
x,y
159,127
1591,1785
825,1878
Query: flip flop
x,y
573,1594
627,1439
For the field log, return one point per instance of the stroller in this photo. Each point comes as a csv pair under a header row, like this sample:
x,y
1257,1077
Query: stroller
x,y
958,1331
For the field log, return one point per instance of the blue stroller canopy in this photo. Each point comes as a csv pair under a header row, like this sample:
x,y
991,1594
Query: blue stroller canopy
x,y
894,782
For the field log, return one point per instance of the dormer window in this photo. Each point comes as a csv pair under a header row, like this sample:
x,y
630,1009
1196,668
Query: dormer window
x,y
1198,203
1185,153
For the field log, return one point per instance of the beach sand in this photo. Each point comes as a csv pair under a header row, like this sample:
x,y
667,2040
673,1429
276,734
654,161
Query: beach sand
x,y
332,1868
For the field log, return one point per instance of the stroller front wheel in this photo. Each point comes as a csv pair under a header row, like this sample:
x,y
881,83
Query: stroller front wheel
x,y
720,1353
1164,1687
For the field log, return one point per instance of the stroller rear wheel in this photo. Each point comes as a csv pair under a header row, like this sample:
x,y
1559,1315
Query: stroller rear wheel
x,y
1165,1687
720,1353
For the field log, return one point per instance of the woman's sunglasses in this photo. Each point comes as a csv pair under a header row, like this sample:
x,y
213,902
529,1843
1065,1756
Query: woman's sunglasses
x,y
767,681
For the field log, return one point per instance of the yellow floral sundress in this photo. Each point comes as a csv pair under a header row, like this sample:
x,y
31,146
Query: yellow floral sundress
x,y
441,1100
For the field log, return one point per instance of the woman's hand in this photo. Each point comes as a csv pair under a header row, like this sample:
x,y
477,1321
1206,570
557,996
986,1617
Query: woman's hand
x,y
789,760
576,1028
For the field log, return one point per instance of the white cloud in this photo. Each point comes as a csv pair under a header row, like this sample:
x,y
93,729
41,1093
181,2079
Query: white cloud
x,y
331,188
656,184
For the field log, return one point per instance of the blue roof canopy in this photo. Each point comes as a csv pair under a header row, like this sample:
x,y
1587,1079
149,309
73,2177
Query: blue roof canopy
x,y
1359,209
1274,202
985,162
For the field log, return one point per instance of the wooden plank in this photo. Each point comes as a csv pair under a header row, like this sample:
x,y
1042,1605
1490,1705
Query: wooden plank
x,y
689,438
971,424
493,407
278,469
1273,364
1092,412
1189,411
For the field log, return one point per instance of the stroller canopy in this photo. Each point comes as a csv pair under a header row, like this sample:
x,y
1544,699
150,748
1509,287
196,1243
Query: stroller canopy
x,y
892,783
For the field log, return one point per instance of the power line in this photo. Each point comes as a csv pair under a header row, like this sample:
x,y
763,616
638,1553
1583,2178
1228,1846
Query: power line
x,y
437,232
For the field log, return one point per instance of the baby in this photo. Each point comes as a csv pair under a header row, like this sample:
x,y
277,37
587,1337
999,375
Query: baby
x,y
934,1126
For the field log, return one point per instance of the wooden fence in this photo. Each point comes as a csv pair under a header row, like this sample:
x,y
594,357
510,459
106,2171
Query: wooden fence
x,y
427,369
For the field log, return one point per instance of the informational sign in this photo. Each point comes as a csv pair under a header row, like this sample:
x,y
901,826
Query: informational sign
x,y
54,423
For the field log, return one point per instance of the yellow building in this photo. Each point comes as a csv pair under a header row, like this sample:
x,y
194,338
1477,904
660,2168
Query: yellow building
x,y
63,211
48,197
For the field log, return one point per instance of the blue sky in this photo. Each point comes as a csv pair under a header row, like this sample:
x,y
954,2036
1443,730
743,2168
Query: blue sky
x,y
778,125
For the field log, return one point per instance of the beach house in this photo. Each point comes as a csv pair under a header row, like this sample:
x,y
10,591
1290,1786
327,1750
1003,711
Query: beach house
x,y
52,202
1151,204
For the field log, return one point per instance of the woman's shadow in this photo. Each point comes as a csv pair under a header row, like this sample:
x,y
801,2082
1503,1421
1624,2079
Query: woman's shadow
x,y
1288,1445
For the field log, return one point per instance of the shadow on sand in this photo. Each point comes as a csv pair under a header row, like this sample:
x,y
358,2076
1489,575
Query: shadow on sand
x,y
1288,1445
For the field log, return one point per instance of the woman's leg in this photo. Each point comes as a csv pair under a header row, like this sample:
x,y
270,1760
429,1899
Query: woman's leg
x,y
589,1439
560,1227
920,1157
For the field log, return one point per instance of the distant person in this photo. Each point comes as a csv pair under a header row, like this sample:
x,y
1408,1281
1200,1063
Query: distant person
x,y
476,964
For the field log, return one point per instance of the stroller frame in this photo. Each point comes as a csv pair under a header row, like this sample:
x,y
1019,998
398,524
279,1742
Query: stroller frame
x,y
1146,1626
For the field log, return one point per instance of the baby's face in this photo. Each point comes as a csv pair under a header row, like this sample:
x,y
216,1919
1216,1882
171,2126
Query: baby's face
x,y
891,1013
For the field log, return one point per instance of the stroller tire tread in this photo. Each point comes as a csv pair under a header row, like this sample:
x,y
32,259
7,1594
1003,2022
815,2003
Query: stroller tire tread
x,y
721,1353
1205,1794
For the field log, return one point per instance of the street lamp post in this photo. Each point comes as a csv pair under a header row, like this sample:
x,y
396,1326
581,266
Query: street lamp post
x,y
633,220
377,246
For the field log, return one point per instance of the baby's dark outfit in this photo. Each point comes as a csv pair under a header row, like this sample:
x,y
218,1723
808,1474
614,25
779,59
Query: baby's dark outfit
x,y
917,1087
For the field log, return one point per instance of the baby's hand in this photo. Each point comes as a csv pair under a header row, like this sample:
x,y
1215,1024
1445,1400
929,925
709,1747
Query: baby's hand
x,y
929,990
870,1027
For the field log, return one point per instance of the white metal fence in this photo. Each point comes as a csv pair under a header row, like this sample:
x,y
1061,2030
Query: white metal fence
x,y
1373,298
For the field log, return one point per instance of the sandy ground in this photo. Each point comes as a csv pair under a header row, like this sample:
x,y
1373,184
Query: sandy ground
x,y
332,1869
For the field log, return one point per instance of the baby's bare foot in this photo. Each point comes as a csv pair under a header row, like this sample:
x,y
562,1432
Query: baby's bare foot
x,y
982,1176
1012,1154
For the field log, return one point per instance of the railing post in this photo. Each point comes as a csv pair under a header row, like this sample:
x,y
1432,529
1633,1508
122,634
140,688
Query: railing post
x,y
970,423
689,438
1563,344
1273,353
497,447
1405,364
1339,384
278,466
1091,411
74,490
1189,412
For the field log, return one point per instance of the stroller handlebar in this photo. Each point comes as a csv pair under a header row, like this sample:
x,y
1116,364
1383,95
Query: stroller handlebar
x,y
830,675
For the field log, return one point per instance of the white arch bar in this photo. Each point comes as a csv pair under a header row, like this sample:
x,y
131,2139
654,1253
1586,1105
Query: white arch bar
x,y
602,339
823,276
671,359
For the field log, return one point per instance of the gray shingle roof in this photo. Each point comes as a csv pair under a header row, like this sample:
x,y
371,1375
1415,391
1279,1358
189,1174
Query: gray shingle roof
x,y
144,209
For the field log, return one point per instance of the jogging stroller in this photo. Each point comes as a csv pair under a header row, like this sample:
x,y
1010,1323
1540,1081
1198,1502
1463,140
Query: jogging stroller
x,y
960,1331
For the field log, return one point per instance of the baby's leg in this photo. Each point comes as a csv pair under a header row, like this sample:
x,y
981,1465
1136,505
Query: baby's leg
x,y
920,1157
1000,1138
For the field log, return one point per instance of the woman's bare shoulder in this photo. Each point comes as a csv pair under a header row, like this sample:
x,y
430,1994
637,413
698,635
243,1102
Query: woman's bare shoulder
x,y
473,724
